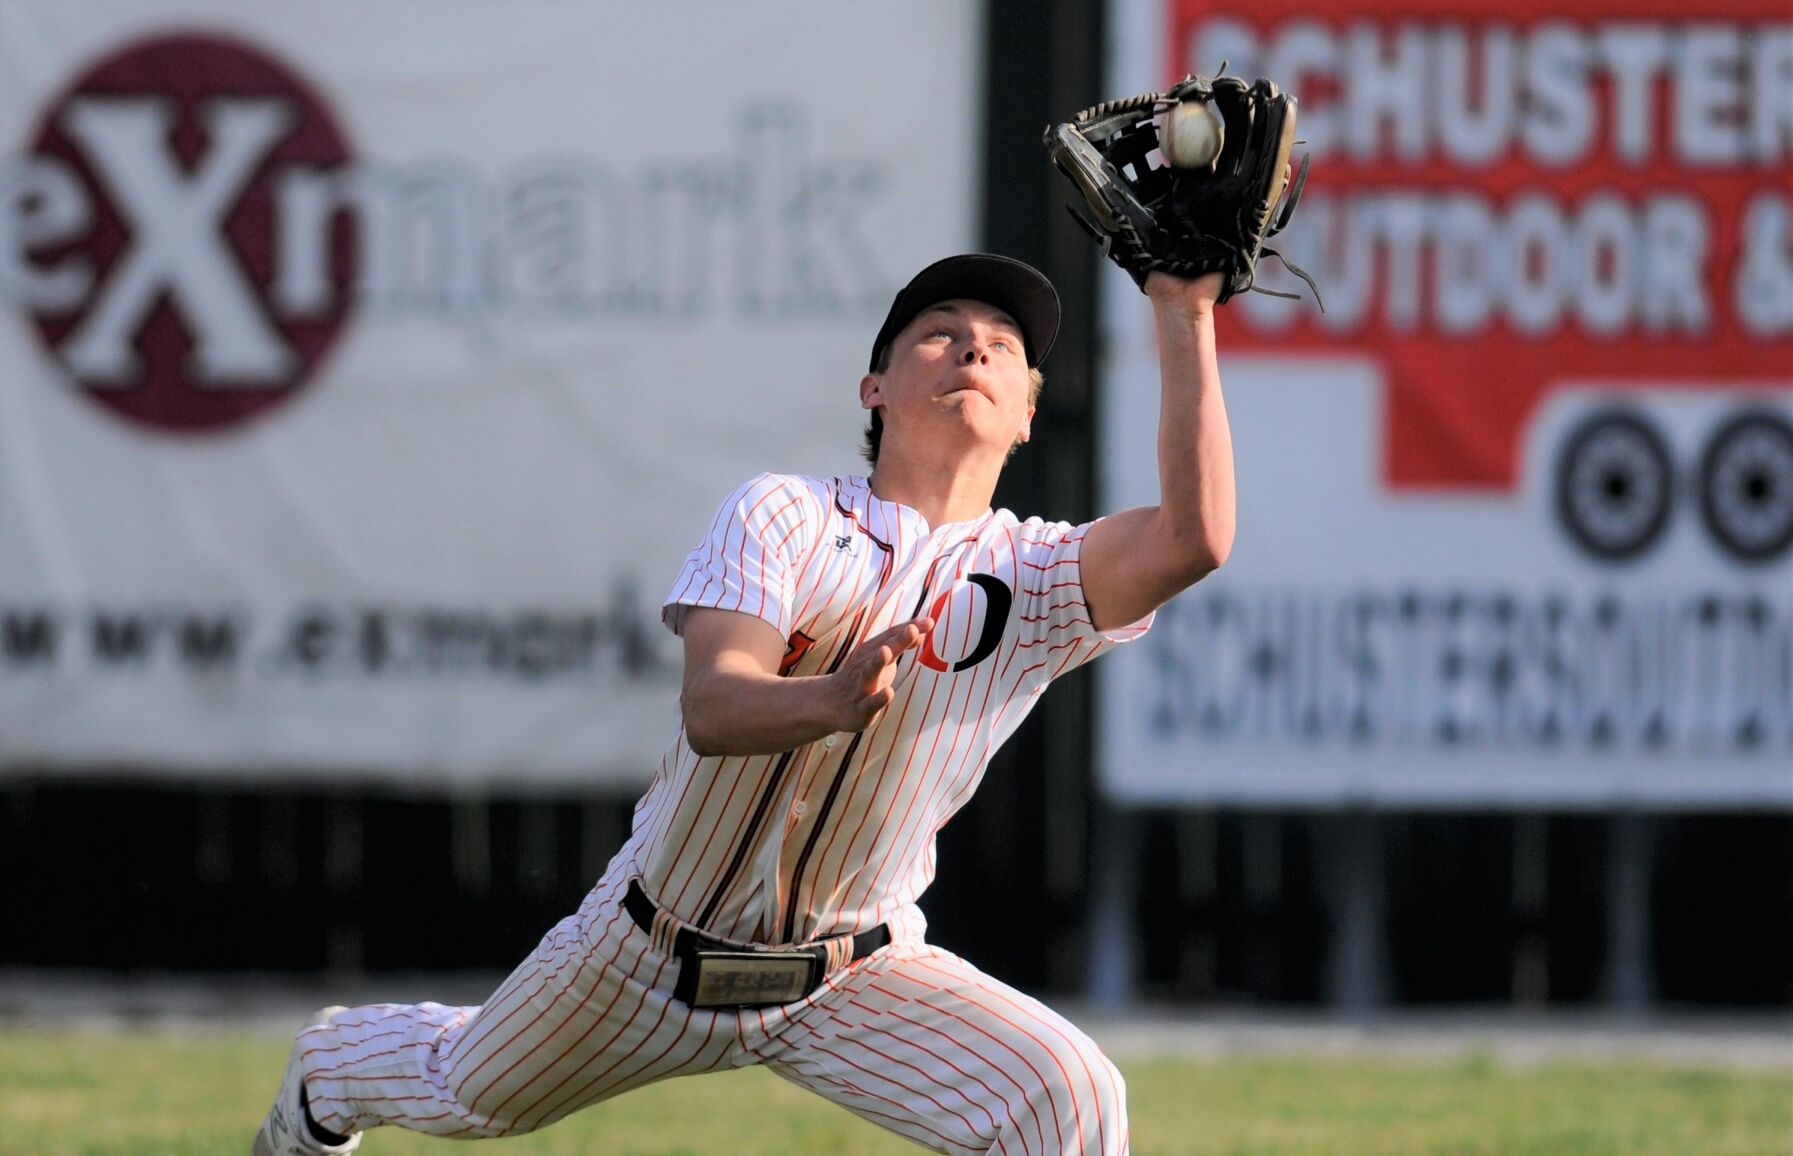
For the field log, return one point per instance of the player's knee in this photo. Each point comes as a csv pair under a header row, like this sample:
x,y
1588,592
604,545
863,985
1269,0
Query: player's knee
x,y
1109,1096
1086,1099
1113,1083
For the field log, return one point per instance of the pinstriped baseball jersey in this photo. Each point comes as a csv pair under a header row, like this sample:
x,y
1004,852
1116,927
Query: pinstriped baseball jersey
x,y
838,836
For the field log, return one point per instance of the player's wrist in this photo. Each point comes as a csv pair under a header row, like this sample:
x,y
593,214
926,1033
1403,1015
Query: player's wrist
x,y
827,705
1184,332
1185,294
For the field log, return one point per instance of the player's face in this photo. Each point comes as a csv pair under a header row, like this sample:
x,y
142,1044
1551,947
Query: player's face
x,y
958,370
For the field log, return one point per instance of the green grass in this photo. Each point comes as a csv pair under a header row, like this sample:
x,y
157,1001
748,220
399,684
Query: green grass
x,y
93,1092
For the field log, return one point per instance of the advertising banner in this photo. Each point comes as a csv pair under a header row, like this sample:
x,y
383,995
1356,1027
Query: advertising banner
x,y
1516,509
368,369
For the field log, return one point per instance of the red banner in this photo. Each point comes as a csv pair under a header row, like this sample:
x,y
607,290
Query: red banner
x,y
1505,200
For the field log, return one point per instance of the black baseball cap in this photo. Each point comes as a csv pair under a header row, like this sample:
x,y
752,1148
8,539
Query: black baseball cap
x,y
1012,286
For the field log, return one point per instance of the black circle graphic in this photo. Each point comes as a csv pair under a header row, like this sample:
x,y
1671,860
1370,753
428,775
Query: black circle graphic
x,y
1614,485
1746,486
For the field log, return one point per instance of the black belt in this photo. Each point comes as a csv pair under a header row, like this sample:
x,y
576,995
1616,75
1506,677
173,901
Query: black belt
x,y
716,974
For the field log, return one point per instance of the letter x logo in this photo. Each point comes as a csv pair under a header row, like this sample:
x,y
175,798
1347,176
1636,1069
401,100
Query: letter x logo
x,y
176,222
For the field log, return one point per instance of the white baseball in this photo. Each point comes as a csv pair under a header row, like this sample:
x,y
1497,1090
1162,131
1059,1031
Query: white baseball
x,y
1191,135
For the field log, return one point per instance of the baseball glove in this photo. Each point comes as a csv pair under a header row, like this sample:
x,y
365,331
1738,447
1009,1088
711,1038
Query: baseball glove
x,y
1186,221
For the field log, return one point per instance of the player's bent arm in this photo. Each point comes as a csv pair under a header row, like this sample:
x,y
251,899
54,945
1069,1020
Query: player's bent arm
x,y
1135,561
735,702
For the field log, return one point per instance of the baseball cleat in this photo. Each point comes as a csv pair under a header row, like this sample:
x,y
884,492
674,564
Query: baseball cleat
x,y
284,1133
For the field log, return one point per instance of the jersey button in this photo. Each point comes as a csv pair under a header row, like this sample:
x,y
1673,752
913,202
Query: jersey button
x,y
799,808
831,741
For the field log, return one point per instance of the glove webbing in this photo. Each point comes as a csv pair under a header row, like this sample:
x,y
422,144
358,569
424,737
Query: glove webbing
x,y
1110,107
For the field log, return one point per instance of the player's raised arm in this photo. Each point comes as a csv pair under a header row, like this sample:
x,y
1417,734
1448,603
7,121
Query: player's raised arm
x,y
1221,185
735,702
1134,561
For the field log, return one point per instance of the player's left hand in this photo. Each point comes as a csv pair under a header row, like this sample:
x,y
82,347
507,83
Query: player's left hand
x,y
859,691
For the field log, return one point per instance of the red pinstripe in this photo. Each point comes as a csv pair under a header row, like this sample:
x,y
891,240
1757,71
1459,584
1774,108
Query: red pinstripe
x,y
937,1058
521,1032
949,775
1052,1101
942,783
960,1116
761,556
680,901
534,1048
1047,661
709,785
489,1029
892,1013
889,751
1057,1127
592,1053
818,591
931,995
1067,664
310,1052
359,1058
591,1090
1002,994
903,1126
894,844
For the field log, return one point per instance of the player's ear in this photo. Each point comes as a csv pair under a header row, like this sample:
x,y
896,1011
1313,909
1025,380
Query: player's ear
x,y
1027,424
871,391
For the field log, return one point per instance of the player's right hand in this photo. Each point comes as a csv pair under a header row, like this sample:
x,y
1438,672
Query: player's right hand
x,y
862,687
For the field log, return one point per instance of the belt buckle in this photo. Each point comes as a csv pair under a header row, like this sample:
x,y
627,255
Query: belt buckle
x,y
751,978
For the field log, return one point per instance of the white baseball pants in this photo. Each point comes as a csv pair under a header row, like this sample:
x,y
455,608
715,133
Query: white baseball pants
x,y
912,1038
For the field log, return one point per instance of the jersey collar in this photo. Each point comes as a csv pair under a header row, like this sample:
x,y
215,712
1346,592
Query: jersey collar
x,y
889,520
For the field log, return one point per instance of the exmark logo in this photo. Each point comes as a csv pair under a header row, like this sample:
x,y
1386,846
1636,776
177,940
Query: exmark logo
x,y
189,232
160,201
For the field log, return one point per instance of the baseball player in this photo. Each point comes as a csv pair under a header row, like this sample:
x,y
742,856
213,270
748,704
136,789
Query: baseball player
x,y
855,649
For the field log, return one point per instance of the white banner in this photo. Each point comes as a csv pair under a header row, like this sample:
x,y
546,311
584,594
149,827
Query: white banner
x,y
368,369
1516,512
